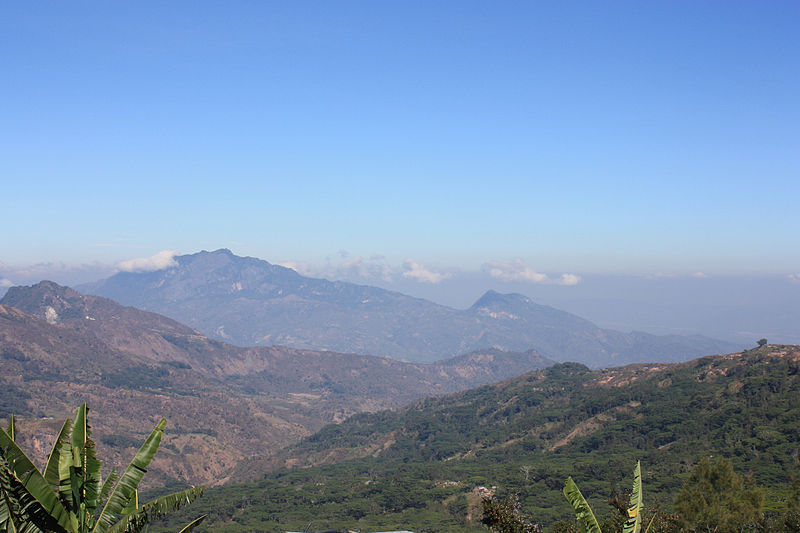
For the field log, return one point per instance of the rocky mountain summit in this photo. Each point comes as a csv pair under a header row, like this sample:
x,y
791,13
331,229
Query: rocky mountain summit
x,y
250,302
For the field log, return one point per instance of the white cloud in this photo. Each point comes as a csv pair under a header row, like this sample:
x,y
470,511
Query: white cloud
x,y
569,279
672,275
794,278
304,269
419,272
56,271
354,268
358,267
381,270
5,282
354,264
160,261
517,270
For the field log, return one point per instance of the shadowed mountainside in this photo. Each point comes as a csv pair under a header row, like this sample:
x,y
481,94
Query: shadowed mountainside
x,y
248,301
61,348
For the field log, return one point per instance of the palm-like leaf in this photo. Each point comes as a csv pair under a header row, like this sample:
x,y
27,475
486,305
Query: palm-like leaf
x,y
193,524
12,426
65,497
128,483
84,472
634,522
24,481
583,513
19,512
108,484
51,470
152,510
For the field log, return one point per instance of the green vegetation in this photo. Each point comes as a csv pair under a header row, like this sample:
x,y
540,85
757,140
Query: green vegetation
x,y
715,498
70,496
416,468
587,522
503,515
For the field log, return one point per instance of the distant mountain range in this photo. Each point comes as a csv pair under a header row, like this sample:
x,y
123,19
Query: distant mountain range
x,y
250,302
224,403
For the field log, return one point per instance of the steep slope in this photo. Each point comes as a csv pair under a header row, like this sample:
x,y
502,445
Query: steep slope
x,y
229,402
249,302
416,467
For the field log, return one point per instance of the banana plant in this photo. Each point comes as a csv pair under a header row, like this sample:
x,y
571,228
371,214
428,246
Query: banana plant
x,y
70,496
587,522
634,522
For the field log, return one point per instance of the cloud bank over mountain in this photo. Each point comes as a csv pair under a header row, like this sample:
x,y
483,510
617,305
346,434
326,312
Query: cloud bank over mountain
x,y
419,272
159,261
517,270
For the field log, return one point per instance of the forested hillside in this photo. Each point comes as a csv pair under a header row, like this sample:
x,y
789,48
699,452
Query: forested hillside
x,y
416,468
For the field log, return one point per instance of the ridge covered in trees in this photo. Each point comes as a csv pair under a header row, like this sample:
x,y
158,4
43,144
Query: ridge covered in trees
x,y
417,468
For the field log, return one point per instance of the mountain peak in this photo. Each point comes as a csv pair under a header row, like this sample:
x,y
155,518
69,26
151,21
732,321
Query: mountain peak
x,y
46,300
493,298
248,301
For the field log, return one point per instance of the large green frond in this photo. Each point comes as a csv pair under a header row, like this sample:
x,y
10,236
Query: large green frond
x,y
583,513
33,494
9,504
132,504
193,524
137,520
51,470
634,522
92,480
129,481
86,466
80,432
68,489
108,484
19,512
12,427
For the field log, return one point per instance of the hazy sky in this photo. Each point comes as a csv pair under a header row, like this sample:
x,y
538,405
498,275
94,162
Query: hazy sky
x,y
535,137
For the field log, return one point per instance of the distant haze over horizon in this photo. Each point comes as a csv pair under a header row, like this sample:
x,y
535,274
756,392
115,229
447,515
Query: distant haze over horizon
x,y
737,308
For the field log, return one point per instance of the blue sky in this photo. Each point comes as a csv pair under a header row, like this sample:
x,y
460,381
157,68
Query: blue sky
x,y
606,138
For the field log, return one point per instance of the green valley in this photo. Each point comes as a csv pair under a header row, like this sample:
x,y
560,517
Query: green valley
x,y
416,468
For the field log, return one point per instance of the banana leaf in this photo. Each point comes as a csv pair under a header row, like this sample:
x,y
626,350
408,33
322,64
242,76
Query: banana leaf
x,y
108,484
85,471
132,504
138,519
634,522
129,481
51,470
31,489
12,427
587,522
92,480
67,482
18,508
193,524
8,505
